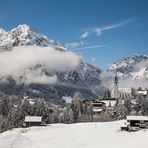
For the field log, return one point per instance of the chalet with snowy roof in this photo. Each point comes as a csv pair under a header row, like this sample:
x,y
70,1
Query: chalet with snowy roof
x,y
137,122
33,121
98,107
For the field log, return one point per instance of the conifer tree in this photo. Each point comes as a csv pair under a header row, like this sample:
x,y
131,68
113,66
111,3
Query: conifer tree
x,y
76,106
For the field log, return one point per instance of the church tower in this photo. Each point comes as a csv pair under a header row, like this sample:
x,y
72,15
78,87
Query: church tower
x,y
115,91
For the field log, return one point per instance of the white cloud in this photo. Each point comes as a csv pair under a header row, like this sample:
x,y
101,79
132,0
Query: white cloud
x,y
74,44
21,61
89,47
99,30
37,76
118,25
85,34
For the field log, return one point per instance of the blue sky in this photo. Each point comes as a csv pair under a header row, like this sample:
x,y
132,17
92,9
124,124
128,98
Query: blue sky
x,y
101,31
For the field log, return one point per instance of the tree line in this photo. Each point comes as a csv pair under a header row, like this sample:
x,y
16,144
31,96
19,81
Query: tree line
x,y
13,110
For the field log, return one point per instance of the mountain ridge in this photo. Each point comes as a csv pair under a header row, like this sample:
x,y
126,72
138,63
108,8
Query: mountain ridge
x,y
24,35
85,78
134,67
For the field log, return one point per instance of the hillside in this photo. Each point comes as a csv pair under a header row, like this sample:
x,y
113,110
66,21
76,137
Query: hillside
x,y
88,135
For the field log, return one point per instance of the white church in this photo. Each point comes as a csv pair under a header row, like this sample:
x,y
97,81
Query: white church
x,y
120,92
117,93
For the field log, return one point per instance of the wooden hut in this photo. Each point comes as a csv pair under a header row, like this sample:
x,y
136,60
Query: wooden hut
x,y
33,121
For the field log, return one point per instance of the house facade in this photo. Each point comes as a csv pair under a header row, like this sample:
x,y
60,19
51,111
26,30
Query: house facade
x,y
137,122
33,121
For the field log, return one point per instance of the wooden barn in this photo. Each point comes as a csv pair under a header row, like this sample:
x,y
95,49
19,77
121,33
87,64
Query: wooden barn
x,y
33,121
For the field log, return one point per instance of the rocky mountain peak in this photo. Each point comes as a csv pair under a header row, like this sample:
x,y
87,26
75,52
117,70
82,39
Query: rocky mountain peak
x,y
24,35
22,29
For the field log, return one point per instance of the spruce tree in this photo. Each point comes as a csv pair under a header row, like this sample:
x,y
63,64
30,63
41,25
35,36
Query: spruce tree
x,y
120,110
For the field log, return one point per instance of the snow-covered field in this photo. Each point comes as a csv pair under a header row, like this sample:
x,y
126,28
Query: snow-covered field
x,y
81,135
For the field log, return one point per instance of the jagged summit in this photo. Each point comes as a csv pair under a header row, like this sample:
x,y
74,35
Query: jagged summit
x,y
24,35
23,28
135,67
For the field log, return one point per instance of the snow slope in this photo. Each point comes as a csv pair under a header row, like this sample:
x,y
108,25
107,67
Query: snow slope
x,y
81,135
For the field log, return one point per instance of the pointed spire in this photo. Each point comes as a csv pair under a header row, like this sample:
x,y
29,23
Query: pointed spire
x,y
116,78
115,91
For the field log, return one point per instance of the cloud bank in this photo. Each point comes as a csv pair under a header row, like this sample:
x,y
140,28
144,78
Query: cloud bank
x,y
28,64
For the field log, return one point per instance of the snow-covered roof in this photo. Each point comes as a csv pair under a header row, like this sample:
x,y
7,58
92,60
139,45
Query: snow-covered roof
x,y
145,118
33,119
100,102
31,101
97,109
143,92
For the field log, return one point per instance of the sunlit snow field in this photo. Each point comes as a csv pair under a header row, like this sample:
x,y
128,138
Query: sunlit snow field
x,y
80,135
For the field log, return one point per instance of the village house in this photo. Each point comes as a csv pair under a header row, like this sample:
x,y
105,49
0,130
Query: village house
x,y
98,107
33,121
136,123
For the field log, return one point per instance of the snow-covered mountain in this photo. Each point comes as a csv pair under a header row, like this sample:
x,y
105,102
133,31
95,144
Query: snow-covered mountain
x,y
84,78
24,35
134,67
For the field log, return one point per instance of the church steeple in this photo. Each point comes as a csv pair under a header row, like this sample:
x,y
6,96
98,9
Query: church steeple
x,y
115,91
116,79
